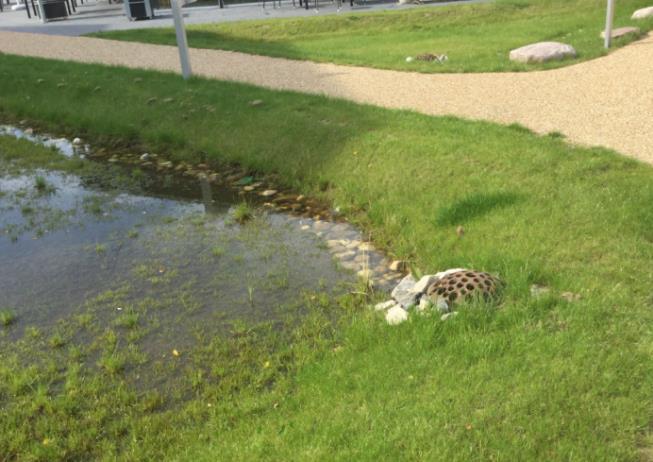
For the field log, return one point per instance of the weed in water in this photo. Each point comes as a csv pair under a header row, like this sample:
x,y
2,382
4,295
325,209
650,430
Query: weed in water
x,y
7,317
243,212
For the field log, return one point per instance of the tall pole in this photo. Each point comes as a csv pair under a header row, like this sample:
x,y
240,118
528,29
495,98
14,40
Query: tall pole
x,y
609,19
182,43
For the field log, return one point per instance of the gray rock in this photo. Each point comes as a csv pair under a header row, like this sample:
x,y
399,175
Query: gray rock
x,y
403,293
396,315
542,52
622,32
424,282
643,13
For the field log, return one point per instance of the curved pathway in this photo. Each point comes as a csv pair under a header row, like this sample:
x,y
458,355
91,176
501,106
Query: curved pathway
x,y
607,101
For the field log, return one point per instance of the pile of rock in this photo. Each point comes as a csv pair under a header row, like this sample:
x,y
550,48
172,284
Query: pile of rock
x,y
440,291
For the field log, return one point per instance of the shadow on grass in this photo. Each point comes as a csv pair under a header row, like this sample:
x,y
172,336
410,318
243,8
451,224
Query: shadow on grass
x,y
474,206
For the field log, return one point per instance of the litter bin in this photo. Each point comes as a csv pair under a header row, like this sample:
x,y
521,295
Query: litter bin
x,y
52,9
138,9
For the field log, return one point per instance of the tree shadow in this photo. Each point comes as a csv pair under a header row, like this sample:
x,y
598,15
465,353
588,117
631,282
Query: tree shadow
x,y
474,206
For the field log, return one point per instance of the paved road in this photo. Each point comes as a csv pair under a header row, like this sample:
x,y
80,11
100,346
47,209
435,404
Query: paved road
x,y
607,101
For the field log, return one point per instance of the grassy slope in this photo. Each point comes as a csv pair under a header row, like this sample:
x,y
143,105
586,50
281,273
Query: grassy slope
x,y
538,379
475,37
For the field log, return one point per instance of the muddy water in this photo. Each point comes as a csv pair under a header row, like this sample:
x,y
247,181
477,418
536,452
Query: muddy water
x,y
167,253
158,255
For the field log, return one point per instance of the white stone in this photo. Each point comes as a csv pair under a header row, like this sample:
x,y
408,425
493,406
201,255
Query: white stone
x,y
77,141
424,305
384,305
542,52
396,315
403,293
409,59
622,32
446,316
144,156
643,13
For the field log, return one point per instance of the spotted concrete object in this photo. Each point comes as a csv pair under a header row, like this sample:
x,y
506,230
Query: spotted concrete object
x,y
623,32
542,52
643,13
455,287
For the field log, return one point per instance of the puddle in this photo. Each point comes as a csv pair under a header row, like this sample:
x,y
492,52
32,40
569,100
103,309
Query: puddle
x,y
161,251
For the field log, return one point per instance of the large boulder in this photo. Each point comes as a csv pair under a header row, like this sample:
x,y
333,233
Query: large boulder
x,y
643,13
542,52
622,32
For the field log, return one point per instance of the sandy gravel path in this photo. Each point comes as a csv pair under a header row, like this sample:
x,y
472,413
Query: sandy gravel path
x,y
606,102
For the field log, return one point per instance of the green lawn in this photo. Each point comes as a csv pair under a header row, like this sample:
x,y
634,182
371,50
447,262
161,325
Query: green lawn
x,y
525,379
476,38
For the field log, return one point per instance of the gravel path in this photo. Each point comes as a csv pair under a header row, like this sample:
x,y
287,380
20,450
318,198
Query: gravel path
x,y
607,101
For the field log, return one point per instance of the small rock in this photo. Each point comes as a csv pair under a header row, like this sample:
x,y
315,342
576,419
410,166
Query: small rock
x,y
77,141
446,316
403,293
144,156
542,52
256,102
168,100
249,188
151,100
622,32
643,13
441,304
570,296
365,274
409,59
424,305
269,192
396,315
346,255
384,305
366,247
538,290
398,266
29,131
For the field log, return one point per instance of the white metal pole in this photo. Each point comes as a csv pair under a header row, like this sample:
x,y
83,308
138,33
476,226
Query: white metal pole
x,y
609,19
182,43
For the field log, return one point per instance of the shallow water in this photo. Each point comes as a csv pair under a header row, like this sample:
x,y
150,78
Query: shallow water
x,y
170,253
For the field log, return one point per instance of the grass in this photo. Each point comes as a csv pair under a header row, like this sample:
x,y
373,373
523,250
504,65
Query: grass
x,y
476,38
243,212
7,317
526,379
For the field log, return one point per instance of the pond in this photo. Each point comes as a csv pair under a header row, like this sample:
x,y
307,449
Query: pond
x,y
160,255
